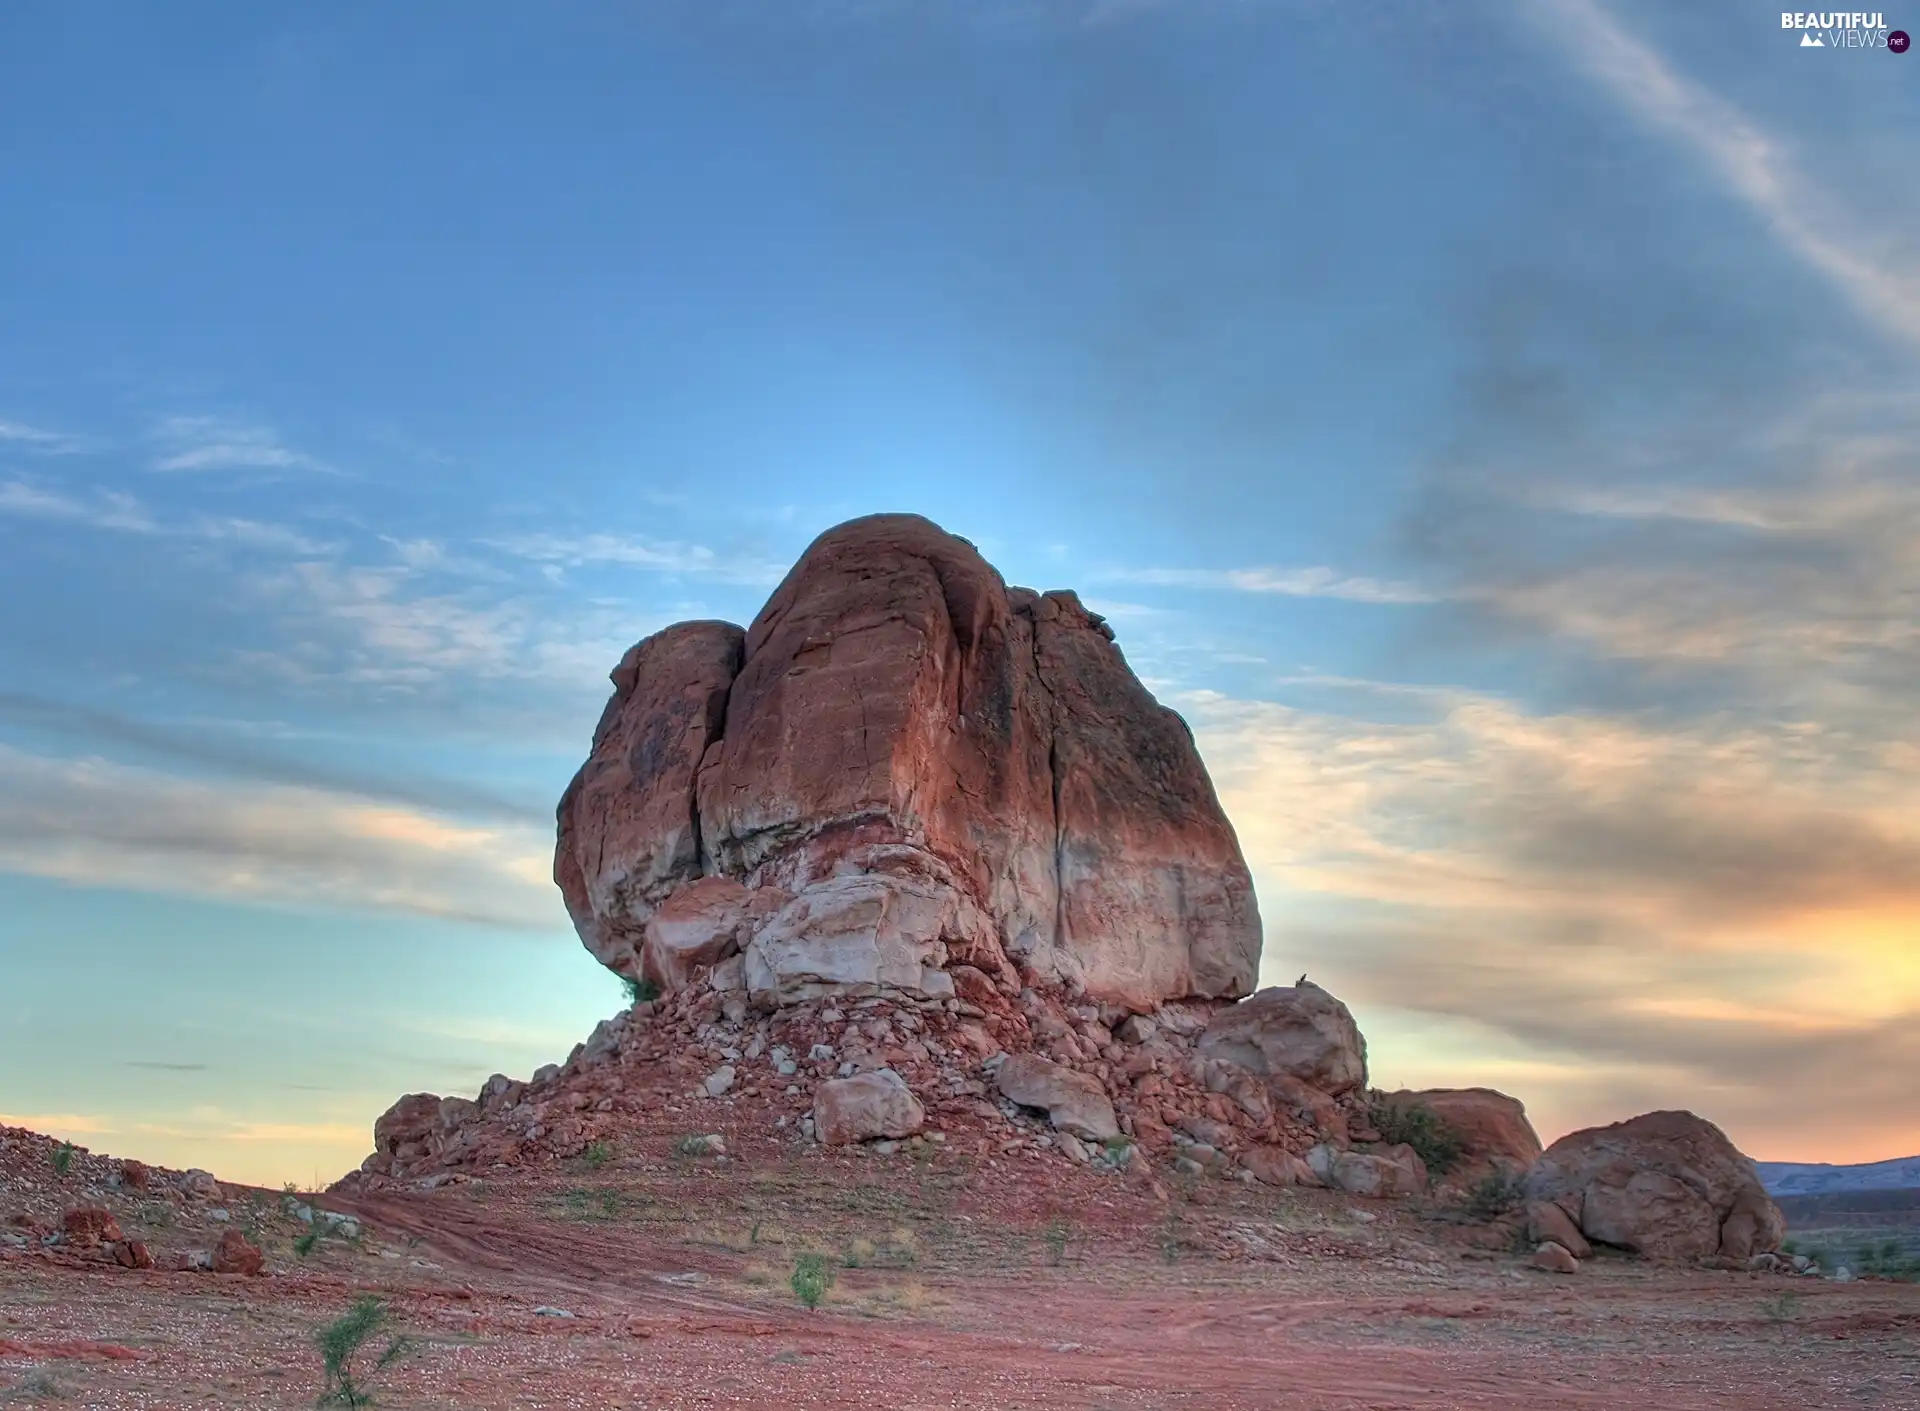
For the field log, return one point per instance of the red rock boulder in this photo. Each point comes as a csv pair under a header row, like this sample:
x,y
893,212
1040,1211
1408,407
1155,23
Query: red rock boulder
x,y
1492,1128
407,1131
1291,1032
865,1106
235,1254
89,1227
1668,1185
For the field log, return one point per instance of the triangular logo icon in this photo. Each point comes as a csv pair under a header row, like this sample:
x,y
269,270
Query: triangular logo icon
x,y
1808,41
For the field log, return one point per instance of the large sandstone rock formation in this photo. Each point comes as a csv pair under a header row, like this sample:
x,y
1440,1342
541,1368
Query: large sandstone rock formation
x,y
1668,1185
901,768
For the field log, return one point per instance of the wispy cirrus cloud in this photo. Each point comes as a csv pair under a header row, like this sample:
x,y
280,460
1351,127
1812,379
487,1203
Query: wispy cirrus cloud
x,y
204,443
1315,582
108,509
631,551
116,512
226,747
40,441
405,629
1876,274
102,824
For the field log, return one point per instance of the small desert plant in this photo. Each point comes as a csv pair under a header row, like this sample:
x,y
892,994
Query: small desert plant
x,y
1170,1240
306,1244
1782,1308
341,1343
812,1277
1057,1233
1887,1261
1494,1195
35,1386
598,1154
640,990
693,1146
63,1158
1419,1127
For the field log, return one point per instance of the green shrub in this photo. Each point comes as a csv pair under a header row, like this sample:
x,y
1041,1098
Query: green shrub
x,y
693,1146
306,1243
640,990
341,1343
812,1277
1493,1196
1057,1234
1419,1127
63,1158
598,1154
1783,1308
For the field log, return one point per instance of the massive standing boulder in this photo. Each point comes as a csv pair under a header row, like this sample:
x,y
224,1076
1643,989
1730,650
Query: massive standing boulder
x,y
1668,1185
903,765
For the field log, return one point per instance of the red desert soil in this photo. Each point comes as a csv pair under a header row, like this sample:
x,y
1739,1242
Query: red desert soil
x,y
959,1283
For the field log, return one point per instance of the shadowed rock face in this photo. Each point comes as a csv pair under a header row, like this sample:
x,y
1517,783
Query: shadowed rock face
x,y
909,766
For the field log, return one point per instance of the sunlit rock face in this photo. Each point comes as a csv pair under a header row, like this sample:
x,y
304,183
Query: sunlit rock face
x,y
902,766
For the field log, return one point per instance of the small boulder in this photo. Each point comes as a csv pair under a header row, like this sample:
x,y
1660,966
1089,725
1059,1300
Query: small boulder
x,y
131,1254
1073,1101
90,1227
702,924
718,1081
408,1130
1383,1175
1547,1221
866,1106
1276,1166
1555,1258
236,1254
1299,1030
135,1175
1137,1029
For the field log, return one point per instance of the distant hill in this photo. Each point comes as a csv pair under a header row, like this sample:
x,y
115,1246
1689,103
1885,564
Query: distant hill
x,y
1817,1178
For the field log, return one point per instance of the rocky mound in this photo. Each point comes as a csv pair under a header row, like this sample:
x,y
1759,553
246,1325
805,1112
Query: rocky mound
x,y
1038,1072
903,771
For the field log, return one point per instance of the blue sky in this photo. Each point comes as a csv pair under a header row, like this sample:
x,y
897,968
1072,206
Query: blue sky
x,y
1492,425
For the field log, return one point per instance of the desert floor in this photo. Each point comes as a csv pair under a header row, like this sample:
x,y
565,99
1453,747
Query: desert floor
x,y
645,1278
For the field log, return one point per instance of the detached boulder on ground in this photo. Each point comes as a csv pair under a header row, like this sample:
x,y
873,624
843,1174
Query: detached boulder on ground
x,y
236,1254
866,1106
1294,1031
1073,1101
1383,1174
1667,1185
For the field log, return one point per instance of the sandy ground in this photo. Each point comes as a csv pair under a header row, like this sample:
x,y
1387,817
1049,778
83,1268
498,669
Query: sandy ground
x,y
957,1285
